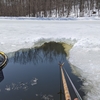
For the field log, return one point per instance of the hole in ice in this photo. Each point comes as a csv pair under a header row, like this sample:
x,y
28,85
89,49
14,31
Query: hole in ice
x,y
34,74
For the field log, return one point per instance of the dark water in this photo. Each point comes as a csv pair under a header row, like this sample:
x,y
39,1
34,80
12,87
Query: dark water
x,y
34,74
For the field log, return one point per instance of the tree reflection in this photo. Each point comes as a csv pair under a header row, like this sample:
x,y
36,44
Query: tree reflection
x,y
1,76
61,90
47,52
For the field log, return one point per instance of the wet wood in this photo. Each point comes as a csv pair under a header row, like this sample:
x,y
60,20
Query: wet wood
x,y
66,91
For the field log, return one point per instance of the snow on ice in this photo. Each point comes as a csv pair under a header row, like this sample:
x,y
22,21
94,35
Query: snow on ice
x,y
82,33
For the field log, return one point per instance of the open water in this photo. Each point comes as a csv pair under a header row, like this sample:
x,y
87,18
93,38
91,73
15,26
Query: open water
x,y
34,74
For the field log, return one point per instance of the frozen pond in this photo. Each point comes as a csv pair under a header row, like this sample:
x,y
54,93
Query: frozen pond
x,y
34,74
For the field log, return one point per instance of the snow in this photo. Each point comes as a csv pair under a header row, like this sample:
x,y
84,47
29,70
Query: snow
x,y
83,33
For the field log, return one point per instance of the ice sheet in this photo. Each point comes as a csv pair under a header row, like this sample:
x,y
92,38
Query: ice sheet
x,y
83,34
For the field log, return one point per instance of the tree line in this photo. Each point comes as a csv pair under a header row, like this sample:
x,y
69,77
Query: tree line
x,y
49,8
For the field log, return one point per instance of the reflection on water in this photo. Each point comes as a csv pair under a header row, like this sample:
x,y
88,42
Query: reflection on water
x,y
47,52
1,59
1,76
61,92
21,85
34,74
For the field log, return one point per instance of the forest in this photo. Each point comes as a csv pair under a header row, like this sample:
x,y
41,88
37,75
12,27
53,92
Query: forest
x,y
49,8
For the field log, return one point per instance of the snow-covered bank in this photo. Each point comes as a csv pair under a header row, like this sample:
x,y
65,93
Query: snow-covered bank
x,y
84,34
51,18
86,57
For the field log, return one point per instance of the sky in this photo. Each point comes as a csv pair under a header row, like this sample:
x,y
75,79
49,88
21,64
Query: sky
x,y
82,33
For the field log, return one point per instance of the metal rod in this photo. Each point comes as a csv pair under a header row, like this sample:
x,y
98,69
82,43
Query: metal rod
x,y
78,95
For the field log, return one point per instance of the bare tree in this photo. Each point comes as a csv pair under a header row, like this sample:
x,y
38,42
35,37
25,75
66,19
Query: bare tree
x,y
45,8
